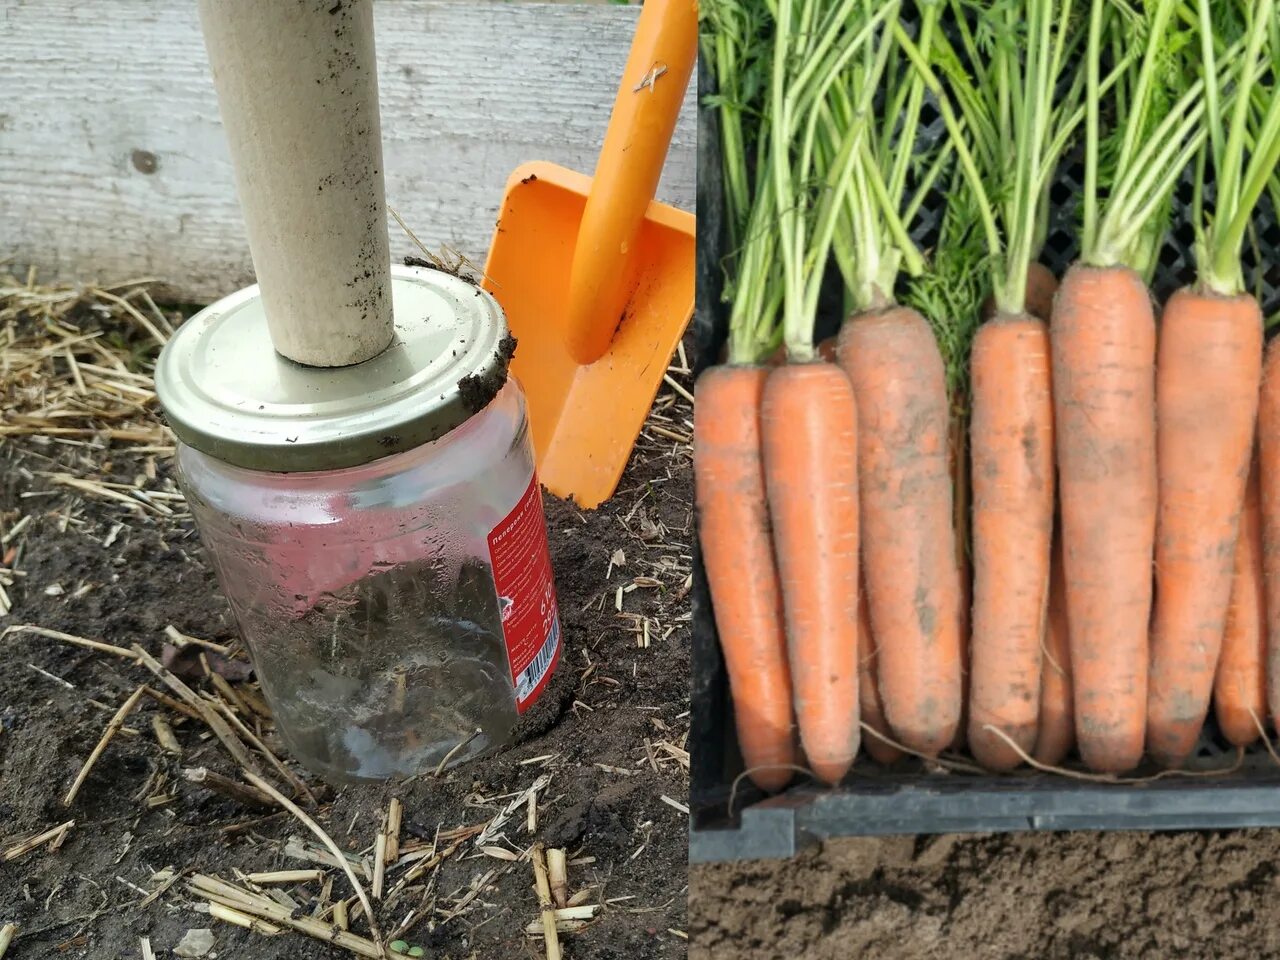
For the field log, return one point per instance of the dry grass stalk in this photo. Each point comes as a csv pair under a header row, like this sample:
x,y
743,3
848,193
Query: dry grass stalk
x,y
49,676
297,849
115,723
582,896
177,706
173,877
340,914
675,804
225,689
7,933
324,838
421,867
379,865
477,886
558,876
96,490
285,877
395,813
494,827
231,915
133,312
568,920
32,843
254,701
444,761
543,886
299,786
144,944
233,789
69,638
242,901
180,639
61,838
238,751
165,735
501,853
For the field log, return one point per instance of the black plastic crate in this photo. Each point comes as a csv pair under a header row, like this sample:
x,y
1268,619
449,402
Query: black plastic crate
x,y
729,823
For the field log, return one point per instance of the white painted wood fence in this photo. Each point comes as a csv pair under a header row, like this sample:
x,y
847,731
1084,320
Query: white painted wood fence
x,y
113,164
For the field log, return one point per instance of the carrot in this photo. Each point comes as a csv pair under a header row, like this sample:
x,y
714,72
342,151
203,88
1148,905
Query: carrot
x,y
1208,373
868,690
1269,508
909,555
1020,109
1013,498
1056,734
1240,685
737,552
811,476
1207,394
893,360
1104,340
809,416
959,461
1041,289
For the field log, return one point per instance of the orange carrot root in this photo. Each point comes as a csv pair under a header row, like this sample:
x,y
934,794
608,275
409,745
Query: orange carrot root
x,y
1269,496
737,551
1011,442
959,458
1057,732
1207,387
811,475
1240,685
1103,338
909,555
868,692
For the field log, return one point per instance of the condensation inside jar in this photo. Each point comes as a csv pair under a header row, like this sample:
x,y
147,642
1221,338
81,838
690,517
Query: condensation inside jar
x,y
367,595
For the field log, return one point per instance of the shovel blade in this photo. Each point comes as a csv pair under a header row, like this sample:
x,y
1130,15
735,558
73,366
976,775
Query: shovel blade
x,y
585,418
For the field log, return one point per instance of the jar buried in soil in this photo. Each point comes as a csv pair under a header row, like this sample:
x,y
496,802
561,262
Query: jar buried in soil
x,y
396,609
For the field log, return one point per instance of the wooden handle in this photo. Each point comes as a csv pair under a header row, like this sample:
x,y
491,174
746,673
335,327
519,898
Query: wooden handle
x,y
603,276
298,92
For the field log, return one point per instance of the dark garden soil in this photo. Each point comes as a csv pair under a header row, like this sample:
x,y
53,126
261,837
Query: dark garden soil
x,y
1081,896
610,731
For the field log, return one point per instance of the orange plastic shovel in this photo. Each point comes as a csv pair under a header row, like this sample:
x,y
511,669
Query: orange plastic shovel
x,y
597,279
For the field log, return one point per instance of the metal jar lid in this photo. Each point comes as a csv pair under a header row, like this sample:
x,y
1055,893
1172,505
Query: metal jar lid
x,y
227,393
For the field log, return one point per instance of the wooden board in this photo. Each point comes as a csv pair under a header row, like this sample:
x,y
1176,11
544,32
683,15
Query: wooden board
x,y
113,164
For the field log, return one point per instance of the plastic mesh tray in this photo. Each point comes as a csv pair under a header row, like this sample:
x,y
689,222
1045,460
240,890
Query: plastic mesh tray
x,y
908,800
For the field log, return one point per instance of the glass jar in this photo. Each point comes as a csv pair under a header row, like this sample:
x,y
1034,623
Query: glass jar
x,y
399,610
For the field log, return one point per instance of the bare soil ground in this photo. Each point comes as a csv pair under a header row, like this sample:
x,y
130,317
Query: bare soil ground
x,y
95,542
1081,896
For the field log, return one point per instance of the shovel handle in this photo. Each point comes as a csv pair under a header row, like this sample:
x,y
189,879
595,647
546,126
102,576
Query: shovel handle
x,y
644,115
298,93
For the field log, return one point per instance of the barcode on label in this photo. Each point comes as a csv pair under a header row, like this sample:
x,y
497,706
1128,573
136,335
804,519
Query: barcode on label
x,y
532,675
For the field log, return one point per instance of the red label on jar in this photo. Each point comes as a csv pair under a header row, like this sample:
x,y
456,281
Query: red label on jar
x,y
526,595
